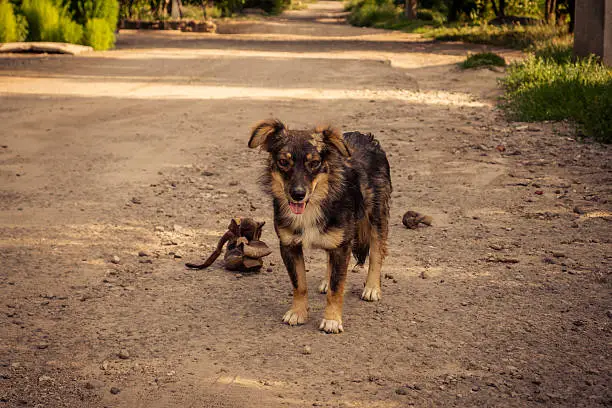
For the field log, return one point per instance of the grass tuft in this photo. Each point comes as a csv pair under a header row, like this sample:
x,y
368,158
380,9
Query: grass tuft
x,y
483,60
540,88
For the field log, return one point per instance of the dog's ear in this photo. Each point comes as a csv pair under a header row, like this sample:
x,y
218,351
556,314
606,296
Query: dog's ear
x,y
267,133
333,138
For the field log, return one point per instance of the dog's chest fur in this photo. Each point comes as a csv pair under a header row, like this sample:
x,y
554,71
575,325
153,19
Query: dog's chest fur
x,y
305,230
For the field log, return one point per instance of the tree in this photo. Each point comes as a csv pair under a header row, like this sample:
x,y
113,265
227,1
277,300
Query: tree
x,y
411,9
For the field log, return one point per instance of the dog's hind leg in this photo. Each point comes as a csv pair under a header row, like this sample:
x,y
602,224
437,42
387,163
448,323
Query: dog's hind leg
x,y
378,251
293,257
361,244
324,286
332,318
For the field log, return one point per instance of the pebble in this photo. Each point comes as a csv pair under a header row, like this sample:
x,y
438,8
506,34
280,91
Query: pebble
x,y
401,391
45,379
496,247
136,200
423,275
578,210
115,390
93,384
104,365
142,253
476,388
269,270
558,254
609,314
307,350
206,173
242,191
115,259
123,354
159,228
42,346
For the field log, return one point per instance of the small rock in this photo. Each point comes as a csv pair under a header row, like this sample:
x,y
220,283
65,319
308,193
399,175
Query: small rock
x,y
136,200
496,247
206,173
388,276
233,183
123,354
269,270
423,275
307,350
242,191
45,379
42,346
401,391
548,260
142,253
104,365
115,390
146,261
159,228
115,259
609,314
578,210
538,192
476,388
558,254
93,384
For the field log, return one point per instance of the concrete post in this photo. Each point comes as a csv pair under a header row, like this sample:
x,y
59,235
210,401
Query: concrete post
x,y
593,29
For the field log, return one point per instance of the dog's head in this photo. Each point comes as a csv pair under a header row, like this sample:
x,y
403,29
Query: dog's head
x,y
300,160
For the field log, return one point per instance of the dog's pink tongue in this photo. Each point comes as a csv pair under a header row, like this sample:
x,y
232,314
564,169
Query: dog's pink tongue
x,y
297,208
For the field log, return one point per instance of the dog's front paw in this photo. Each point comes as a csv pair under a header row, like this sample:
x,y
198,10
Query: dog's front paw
x,y
324,286
371,294
293,317
331,326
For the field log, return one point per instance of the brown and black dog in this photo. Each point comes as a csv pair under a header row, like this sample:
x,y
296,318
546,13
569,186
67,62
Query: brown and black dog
x,y
329,191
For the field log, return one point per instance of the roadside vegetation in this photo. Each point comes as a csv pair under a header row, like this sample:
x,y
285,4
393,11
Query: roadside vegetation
x,y
550,84
87,22
483,60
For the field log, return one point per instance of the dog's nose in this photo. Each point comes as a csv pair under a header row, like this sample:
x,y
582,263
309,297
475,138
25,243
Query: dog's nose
x,y
298,193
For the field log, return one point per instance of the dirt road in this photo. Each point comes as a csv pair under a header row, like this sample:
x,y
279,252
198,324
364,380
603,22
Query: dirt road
x,y
503,302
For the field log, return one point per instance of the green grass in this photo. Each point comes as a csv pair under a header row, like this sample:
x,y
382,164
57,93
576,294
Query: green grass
x,y
540,88
514,36
483,60
385,14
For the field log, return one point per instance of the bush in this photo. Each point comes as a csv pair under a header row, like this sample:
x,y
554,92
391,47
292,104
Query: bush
x,y
483,59
48,22
541,89
99,35
86,10
370,12
9,25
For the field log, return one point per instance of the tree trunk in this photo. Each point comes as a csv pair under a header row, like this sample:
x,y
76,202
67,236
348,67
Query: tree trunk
x,y
572,10
453,11
502,8
549,10
411,9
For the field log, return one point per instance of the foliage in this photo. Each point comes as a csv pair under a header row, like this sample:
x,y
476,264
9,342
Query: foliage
x,y
513,36
371,12
540,88
483,59
50,22
85,10
559,50
99,35
11,26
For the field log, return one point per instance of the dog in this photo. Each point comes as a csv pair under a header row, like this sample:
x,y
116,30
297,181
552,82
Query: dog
x,y
330,191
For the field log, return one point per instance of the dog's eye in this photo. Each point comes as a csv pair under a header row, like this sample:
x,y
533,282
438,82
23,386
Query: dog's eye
x,y
283,163
314,164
